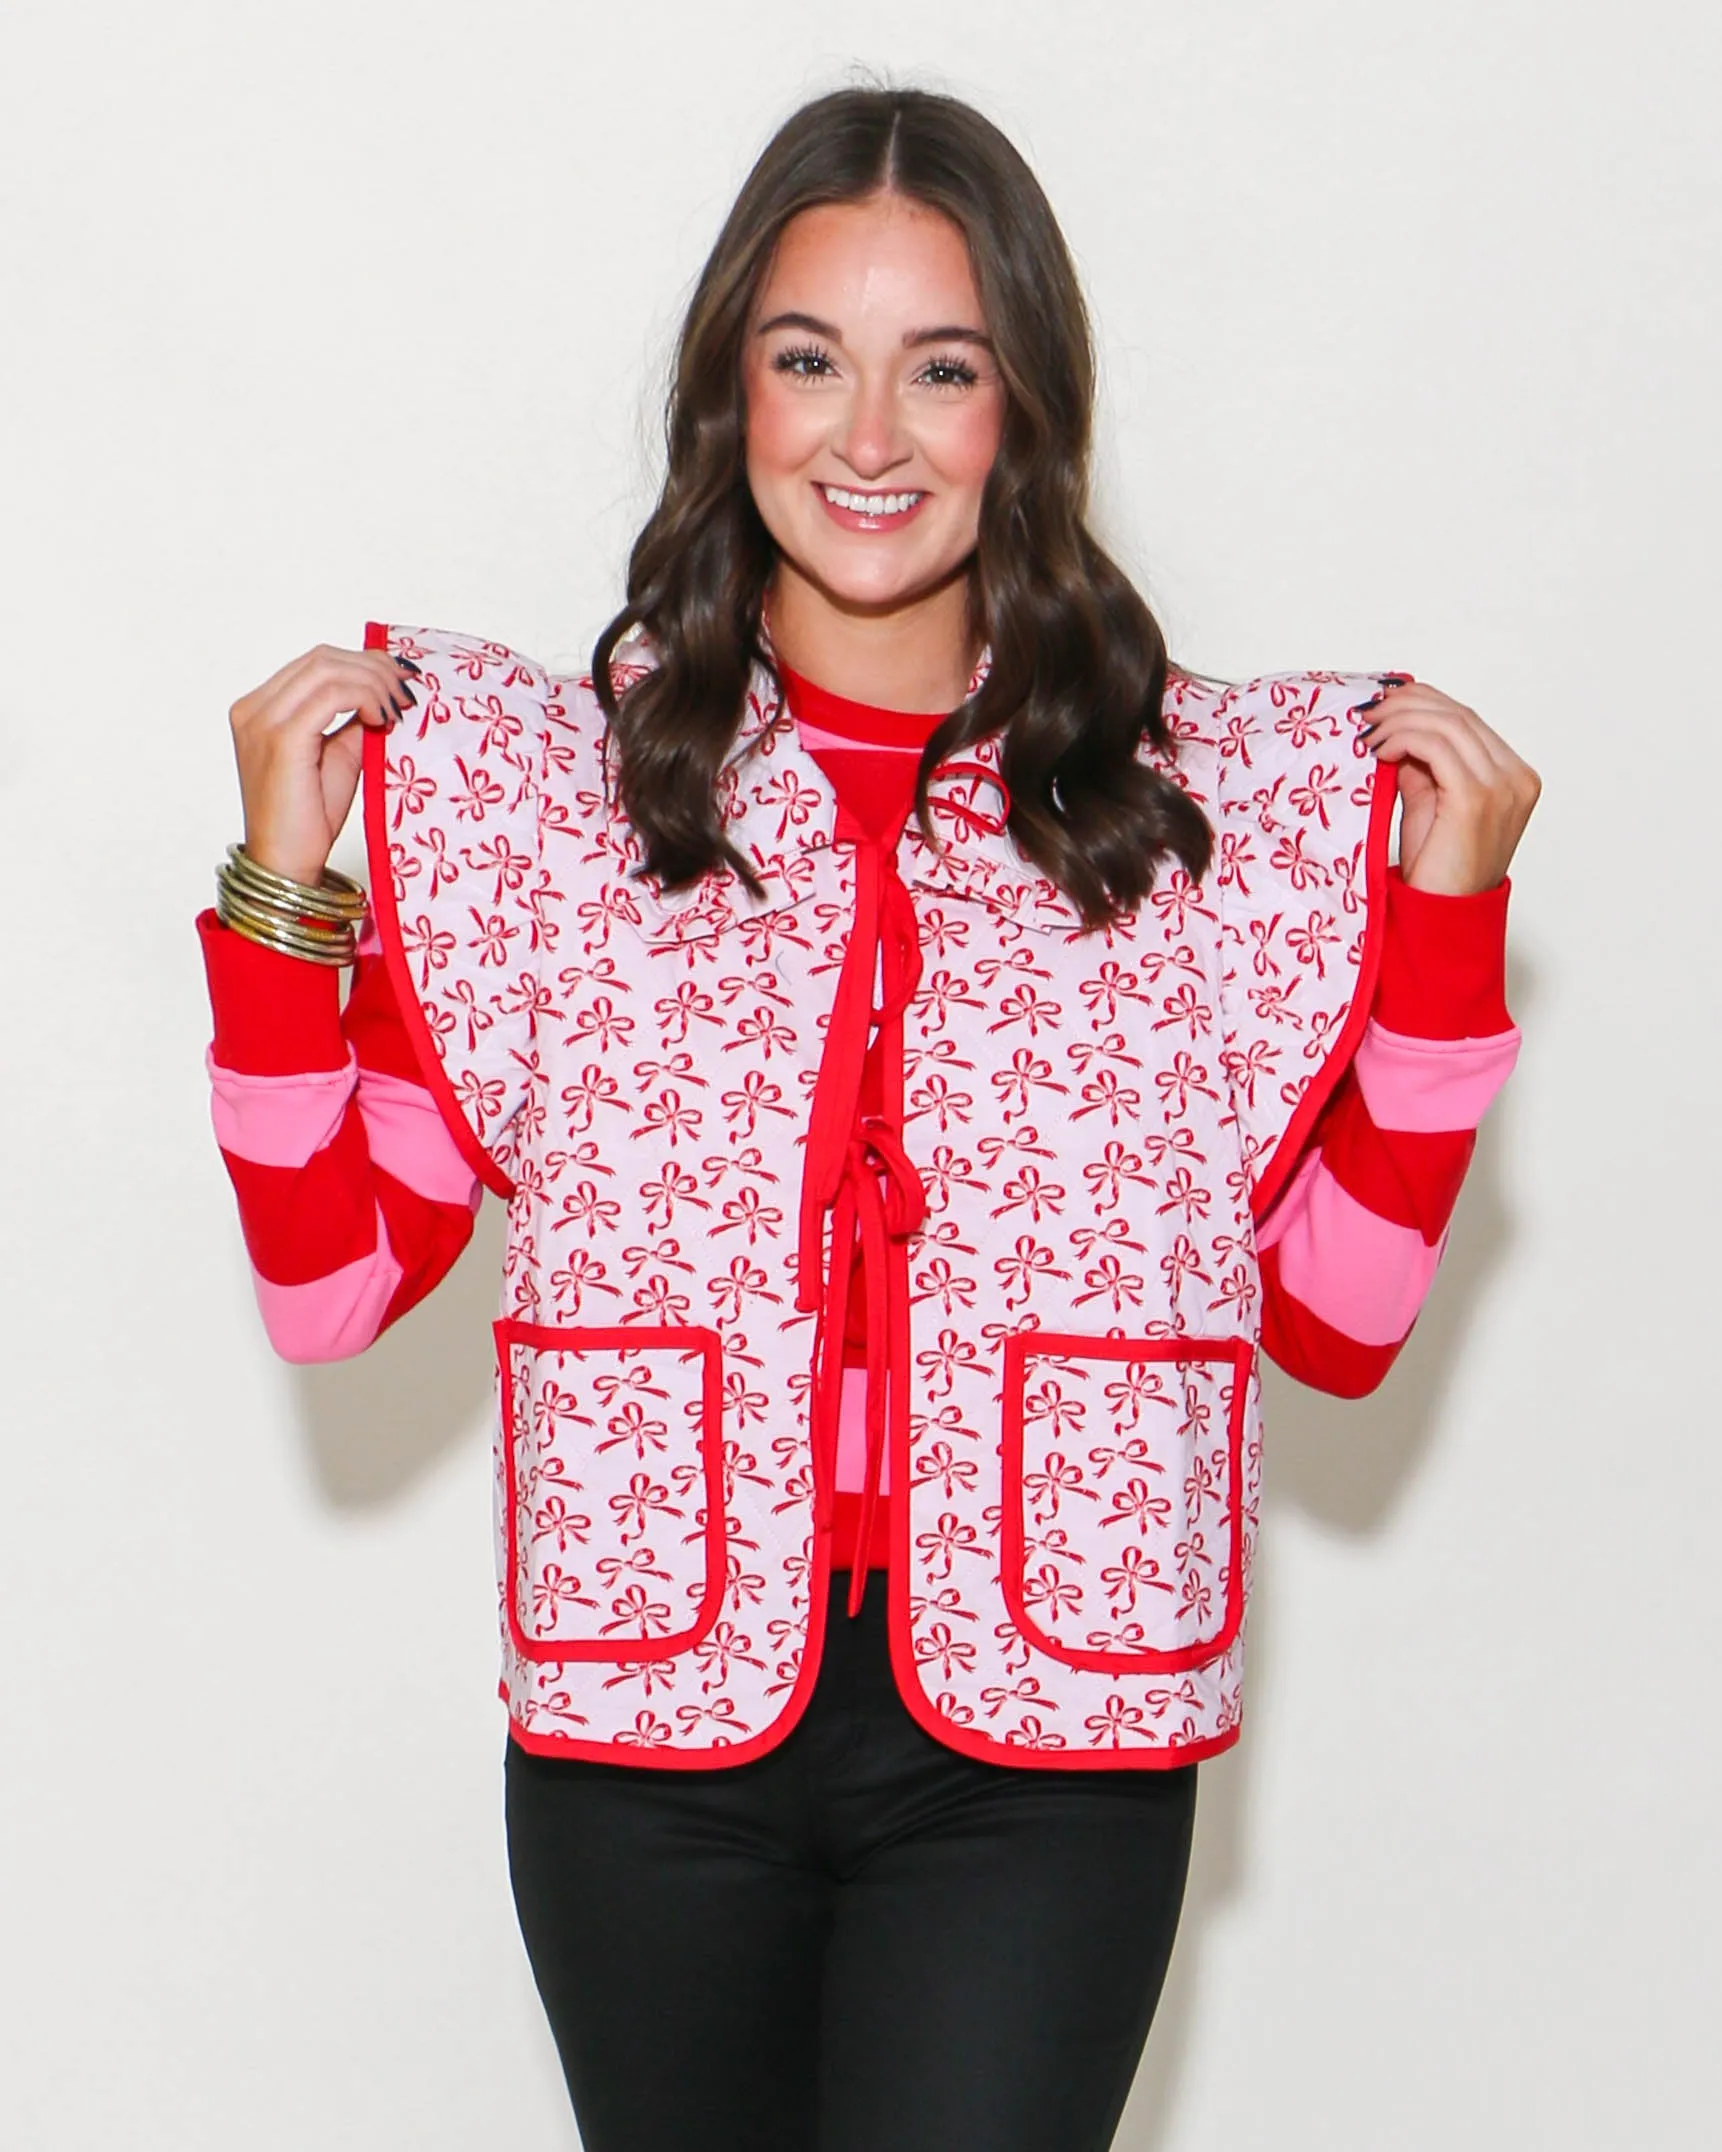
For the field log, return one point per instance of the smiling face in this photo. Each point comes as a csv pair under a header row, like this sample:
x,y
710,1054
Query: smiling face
x,y
874,405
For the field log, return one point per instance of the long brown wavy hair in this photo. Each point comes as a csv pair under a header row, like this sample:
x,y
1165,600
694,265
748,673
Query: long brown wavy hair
x,y
1079,664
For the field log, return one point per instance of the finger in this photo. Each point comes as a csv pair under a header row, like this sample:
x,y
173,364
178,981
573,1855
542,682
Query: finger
x,y
1499,754
1419,697
1393,737
394,682
391,671
1507,759
1459,774
260,699
286,685
371,693
342,758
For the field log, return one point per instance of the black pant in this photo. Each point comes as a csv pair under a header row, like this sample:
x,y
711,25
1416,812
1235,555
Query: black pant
x,y
861,1942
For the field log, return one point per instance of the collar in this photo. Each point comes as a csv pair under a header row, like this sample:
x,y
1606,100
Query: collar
x,y
780,812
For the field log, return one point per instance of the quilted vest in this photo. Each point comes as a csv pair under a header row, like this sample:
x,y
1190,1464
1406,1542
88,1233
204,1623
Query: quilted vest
x,y
1053,1211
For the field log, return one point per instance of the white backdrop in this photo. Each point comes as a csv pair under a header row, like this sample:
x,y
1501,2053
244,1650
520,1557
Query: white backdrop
x,y
1409,323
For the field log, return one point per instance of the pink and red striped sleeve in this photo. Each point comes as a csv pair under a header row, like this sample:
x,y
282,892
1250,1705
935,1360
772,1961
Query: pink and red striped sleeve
x,y
353,1196
1350,1250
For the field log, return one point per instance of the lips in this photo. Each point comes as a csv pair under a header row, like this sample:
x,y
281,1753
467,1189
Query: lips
x,y
859,508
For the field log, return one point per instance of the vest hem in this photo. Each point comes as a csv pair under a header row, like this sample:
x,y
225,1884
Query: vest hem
x,y
666,1756
987,1748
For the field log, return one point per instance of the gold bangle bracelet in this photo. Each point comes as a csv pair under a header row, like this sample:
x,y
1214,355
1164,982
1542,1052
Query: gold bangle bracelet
x,y
335,951
292,915
336,897
319,925
333,888
314,933
274,926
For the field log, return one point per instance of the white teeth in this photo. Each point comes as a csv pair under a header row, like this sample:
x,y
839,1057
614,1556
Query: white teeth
x,y
870,504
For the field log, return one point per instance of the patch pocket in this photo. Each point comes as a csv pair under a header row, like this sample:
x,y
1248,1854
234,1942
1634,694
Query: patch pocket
x,y
1122,1543
612,1466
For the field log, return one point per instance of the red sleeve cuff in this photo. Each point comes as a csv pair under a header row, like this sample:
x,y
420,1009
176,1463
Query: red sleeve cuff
x,y
1443,963
274,1015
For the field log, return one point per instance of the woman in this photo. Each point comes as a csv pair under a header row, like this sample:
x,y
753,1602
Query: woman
x,y
927,1049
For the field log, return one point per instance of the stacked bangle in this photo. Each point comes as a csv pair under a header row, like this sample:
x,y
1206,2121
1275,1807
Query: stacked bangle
x,y
318,924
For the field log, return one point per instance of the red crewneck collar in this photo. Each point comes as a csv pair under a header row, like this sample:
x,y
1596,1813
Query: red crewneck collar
x,y
865,723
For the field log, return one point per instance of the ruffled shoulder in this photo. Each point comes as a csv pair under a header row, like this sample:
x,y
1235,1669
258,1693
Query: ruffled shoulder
x,y
1302,817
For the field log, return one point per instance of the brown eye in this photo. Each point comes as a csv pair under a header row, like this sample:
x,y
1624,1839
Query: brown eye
x,y
804,363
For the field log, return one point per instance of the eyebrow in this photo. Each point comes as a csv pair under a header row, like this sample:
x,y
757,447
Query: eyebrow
x,y
947,333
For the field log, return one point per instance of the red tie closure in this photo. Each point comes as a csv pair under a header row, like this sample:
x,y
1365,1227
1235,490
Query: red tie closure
x,y
856,1170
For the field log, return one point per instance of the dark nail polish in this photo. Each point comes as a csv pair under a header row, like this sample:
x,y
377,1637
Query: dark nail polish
x,y
409,698
407,666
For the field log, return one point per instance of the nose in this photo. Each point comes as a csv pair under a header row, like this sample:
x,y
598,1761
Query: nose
x,y
872,440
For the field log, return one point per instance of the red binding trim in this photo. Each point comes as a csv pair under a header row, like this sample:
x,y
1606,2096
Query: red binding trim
x,y
383,911
1270,1183
576,1338
1171,1756
1065,1345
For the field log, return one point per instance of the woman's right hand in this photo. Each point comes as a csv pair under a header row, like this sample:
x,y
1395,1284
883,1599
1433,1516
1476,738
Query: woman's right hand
x,y
296,778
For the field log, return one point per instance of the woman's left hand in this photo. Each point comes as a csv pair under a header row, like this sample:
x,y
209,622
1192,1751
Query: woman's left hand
x,y
1465,796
